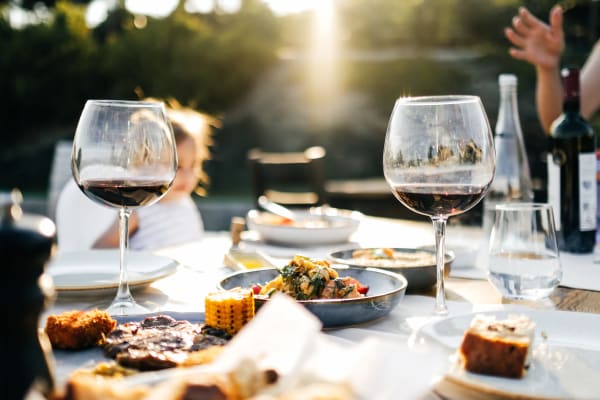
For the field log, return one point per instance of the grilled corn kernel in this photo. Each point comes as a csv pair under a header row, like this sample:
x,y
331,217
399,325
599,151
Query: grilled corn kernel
x,y
229,310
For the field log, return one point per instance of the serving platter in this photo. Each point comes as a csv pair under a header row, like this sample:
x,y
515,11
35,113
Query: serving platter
x,y
67,361
308,229
386,290
94,270
565,363
417,265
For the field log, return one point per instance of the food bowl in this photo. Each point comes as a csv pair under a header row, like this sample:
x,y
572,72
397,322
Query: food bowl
x,y
309,228
386,290
417,265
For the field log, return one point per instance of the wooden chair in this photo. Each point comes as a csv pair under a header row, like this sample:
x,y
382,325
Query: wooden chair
x,y
293,179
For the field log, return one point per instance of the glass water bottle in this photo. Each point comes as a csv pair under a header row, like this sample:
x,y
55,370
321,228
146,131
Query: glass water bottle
x,y
512,181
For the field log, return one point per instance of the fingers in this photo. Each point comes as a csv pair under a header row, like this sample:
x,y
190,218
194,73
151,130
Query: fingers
x,y
514,38
556,18
528,19
518,54
519,26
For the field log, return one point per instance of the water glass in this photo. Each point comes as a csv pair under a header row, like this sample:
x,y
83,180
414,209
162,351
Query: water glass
x,y
524,260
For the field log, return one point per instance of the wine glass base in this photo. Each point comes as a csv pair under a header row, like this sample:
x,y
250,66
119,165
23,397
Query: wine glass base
x,y
440,310
126,306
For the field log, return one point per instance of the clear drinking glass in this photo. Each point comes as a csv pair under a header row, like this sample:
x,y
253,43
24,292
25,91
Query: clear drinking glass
x,y
524,260
124,156
439,160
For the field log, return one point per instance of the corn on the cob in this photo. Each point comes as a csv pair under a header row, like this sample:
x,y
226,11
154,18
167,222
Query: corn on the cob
x,y
230,309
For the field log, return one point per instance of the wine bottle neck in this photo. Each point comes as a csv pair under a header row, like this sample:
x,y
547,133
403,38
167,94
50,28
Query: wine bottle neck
x,y
571,105
570,78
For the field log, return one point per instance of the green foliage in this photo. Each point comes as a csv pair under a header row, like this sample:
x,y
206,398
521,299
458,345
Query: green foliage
x,y
224,64
410,77
43,85
207,62
51,68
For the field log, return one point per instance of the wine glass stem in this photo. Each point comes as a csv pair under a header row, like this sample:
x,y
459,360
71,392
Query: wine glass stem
x,y
123,293
439,226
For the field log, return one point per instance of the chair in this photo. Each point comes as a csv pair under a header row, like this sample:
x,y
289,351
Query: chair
x,y
293,179
60,174
80,220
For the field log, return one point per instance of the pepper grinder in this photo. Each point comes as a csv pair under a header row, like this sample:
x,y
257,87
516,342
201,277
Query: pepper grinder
x,y
26,244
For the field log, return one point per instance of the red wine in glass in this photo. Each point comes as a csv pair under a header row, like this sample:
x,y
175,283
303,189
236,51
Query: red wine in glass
x,y
124,156
439,200
129,193
439,160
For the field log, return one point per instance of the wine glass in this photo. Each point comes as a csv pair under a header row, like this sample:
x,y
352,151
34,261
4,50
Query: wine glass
x,y
439,161
124,156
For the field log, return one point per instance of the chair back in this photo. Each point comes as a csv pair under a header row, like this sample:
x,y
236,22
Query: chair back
x,y
294,179
60,174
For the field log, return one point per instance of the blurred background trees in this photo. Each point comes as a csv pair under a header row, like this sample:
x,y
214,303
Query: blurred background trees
x,y
282,82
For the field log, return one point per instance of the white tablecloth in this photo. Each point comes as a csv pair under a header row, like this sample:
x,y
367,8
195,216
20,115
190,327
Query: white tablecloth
x,y
579,271
202,267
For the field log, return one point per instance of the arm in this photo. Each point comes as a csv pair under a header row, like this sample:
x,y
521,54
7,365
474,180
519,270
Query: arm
x,y
548,96
110,238
541,45
590,83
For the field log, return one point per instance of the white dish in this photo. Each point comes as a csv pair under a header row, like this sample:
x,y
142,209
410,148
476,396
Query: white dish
x,y
565,365
99,269
333,227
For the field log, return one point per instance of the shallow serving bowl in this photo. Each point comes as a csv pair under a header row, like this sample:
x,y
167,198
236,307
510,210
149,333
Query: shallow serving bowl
x,y
420,274
308,229
386,290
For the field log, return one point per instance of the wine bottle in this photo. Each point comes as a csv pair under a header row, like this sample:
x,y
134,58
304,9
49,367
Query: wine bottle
x,y
572,172
512,180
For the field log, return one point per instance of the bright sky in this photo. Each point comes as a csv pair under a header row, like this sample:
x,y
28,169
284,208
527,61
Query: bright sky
x,y
98,9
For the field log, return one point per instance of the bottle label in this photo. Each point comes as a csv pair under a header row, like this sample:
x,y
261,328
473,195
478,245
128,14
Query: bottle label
x,y
554,189
587,191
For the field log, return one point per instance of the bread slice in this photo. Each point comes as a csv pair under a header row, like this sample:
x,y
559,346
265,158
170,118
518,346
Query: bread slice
x,y
498,347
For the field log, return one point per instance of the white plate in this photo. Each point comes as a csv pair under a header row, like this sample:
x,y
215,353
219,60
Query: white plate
x,y
99,269
566,365
340,226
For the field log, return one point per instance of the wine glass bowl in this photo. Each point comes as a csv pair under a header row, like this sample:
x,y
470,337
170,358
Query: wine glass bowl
x,y
439,161
124,156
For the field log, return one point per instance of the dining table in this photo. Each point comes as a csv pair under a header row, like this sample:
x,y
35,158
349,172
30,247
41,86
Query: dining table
x,y
202,264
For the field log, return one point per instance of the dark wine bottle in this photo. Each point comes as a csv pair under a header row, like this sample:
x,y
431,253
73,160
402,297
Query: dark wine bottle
x,y
572,172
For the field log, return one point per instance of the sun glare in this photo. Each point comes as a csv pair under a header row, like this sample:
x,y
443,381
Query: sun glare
x,y
322,57
153,8
283,7
98,9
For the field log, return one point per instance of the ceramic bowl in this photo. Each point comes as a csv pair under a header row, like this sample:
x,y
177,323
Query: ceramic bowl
x,y
386,290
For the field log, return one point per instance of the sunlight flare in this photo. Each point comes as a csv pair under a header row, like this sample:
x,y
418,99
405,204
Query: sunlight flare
x,y
323,54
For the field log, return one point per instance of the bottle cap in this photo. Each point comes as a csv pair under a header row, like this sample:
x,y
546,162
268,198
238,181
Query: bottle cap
x,y
507,80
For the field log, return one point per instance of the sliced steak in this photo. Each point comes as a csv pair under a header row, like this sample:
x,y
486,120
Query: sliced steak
x,y
159,342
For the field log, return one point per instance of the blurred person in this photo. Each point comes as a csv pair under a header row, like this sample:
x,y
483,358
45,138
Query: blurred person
x,y
174,219
542,45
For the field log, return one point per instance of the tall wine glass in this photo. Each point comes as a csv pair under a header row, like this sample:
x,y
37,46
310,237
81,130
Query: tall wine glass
x,y
439,161
124,156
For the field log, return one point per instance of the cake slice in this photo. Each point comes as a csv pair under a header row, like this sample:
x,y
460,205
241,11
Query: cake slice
x,y
498,347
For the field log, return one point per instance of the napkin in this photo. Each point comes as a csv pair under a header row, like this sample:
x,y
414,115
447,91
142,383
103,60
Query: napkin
x,y
285,336
278,337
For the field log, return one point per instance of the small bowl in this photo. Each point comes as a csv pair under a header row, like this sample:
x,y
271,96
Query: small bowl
x,y
309,229
386,290
419,275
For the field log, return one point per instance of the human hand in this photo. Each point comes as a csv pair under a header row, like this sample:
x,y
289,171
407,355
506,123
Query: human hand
x,y
535,41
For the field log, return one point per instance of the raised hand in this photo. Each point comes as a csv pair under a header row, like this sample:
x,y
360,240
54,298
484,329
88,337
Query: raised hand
x,y
535,41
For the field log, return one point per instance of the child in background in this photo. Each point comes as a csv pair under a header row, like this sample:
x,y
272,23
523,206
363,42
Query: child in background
x,y
174,219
